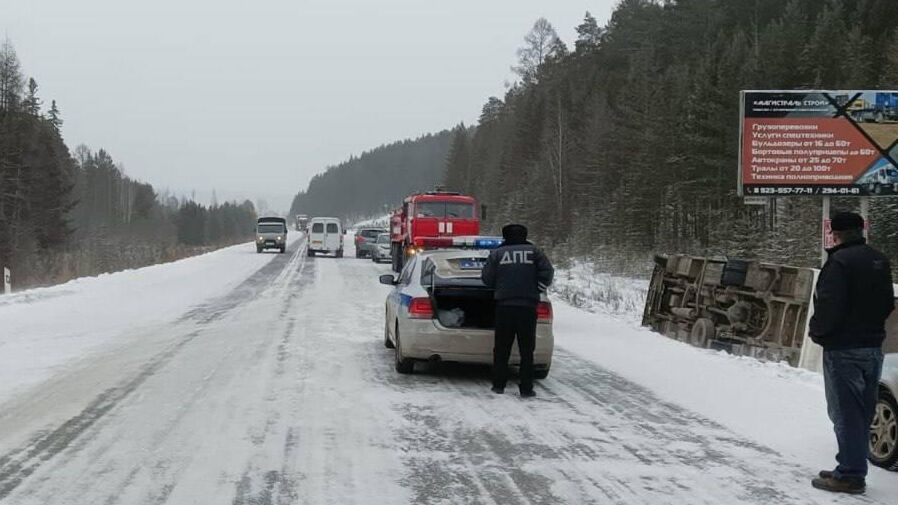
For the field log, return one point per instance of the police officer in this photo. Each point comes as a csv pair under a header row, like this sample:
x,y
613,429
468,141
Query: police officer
x,y
518,272
852,301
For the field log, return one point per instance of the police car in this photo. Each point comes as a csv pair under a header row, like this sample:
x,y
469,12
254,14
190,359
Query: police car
x,y
440,310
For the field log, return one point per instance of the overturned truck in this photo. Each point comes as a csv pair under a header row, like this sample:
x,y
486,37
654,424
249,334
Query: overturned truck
x,y
744,307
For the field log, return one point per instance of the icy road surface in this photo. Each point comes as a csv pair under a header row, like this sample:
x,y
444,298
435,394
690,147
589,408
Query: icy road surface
x,y
276,388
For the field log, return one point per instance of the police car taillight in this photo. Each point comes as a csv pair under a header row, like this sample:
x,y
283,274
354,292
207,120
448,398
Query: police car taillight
x,y
420,308
544,312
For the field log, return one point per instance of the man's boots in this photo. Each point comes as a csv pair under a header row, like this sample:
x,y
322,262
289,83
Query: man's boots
x,y
827,481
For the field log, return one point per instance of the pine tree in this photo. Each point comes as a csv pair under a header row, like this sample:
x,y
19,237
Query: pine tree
x,y
32,104
589,34
53,116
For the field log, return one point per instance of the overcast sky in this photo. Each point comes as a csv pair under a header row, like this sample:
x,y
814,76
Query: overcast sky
x,y
252,98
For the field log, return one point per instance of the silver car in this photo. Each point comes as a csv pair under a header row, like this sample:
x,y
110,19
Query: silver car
x,y
884,431
439,310
365,239
382,251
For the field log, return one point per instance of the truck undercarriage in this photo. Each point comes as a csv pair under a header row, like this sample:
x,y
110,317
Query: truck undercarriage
x,y
743,307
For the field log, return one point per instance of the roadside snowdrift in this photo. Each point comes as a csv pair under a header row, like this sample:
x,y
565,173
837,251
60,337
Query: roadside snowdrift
x,y
43,329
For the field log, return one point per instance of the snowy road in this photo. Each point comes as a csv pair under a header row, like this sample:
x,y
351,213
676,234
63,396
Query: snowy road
x,y
279,390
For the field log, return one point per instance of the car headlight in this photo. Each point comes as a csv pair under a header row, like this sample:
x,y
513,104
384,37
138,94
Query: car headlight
x,y
260,239
279,239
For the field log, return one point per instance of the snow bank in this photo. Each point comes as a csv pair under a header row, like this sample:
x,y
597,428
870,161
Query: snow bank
x,y
583,286
44,329
379,222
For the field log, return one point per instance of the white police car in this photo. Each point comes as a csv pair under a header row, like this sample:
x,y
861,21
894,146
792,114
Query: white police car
x,y
440,310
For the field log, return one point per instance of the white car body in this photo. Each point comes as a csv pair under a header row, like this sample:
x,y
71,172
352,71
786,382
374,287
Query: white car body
x,y
416,338
884,431
325,236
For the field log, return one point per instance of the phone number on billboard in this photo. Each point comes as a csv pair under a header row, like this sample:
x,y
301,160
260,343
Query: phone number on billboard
x,y
798,190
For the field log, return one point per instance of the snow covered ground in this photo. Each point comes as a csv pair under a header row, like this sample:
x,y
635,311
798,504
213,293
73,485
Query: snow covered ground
x,y
583,286
262,379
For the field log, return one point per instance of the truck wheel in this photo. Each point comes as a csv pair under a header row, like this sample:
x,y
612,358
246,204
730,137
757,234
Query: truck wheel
x,y
387,342
403,365
311,253
884,432
702,332
877,190
394,256
541,373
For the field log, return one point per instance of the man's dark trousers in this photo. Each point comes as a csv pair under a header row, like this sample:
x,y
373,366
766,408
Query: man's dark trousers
x,y
514,321
851,379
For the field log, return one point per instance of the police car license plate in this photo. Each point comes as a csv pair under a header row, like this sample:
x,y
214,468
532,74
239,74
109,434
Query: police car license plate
x,y
471,264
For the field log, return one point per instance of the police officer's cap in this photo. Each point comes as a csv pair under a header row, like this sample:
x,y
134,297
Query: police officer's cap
x,y
514,232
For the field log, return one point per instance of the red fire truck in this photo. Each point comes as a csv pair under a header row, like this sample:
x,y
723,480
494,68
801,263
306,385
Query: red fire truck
x,y
431,215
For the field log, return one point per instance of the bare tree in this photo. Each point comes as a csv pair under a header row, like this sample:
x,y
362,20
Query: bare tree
x,y
539,44
11,80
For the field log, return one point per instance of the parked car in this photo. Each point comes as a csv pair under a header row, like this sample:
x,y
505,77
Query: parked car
x,y
365,241
326,236
884,431
440,310
381,251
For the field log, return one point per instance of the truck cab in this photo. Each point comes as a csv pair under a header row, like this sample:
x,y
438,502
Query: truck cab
x,y
434,214
271,233
882,178
302,222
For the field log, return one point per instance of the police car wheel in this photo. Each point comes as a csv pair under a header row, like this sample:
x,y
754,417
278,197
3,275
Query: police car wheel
x,y
541,373
403,365
387,342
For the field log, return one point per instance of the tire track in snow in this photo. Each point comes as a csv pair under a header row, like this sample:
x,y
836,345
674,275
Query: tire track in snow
x,y
271,487
590,437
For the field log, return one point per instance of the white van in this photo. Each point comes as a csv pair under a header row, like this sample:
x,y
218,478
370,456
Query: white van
x,y
326,236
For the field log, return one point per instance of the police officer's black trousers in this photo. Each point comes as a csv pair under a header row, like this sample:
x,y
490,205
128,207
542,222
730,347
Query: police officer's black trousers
x,y
514,322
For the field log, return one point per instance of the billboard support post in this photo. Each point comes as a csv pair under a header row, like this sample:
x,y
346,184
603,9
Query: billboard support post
x,y
827,231
7,281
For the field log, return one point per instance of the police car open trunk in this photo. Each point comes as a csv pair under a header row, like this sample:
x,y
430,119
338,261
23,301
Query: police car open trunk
x,y
465,307
459,297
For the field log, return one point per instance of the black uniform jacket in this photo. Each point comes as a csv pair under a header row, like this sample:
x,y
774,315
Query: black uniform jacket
x,y
854,297
517,273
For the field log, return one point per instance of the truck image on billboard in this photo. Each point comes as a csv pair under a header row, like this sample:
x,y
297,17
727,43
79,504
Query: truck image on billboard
x,y
831,143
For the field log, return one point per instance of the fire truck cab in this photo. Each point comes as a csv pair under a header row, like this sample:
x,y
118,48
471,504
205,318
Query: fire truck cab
x,y
429,215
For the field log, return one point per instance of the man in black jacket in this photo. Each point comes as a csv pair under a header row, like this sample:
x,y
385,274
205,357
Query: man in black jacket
x,y
853,298
518,272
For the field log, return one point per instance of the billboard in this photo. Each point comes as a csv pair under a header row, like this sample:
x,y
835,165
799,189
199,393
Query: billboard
x,y
835,143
